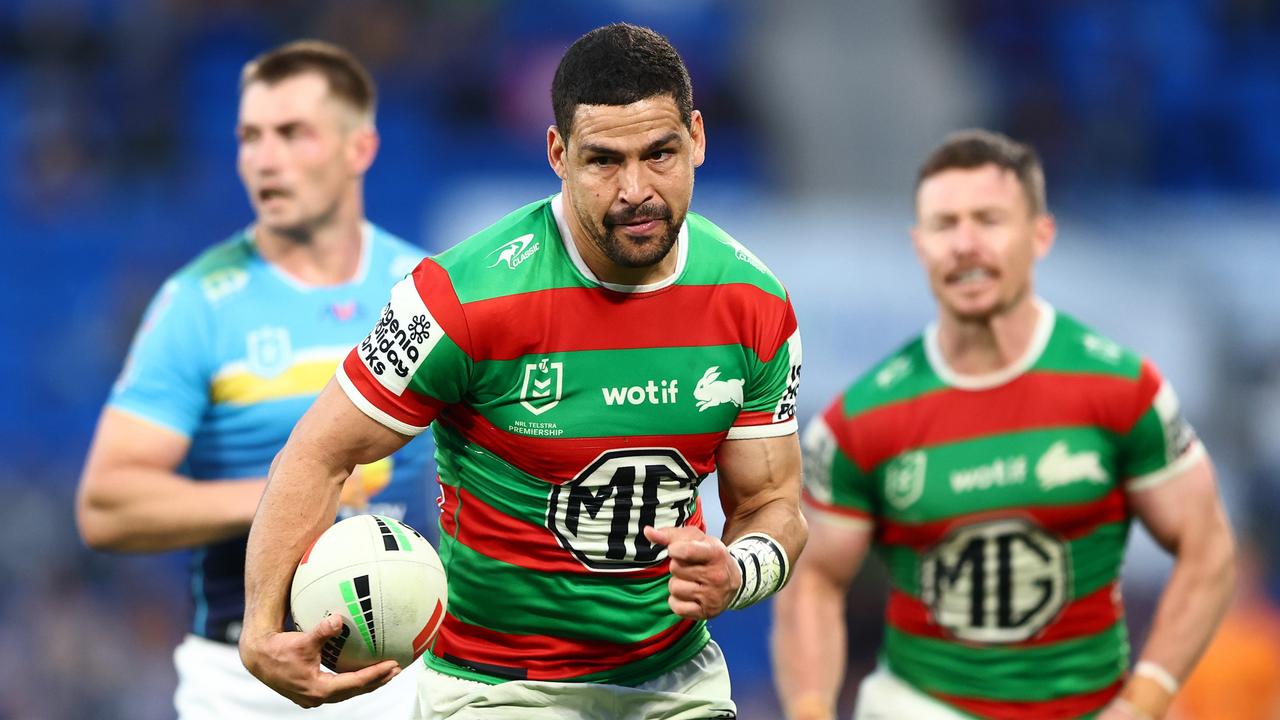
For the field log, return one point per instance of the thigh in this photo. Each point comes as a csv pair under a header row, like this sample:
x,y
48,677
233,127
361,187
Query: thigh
x,y
882,696
696,690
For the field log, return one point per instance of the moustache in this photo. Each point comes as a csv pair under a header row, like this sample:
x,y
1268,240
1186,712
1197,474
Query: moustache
x,y
638,214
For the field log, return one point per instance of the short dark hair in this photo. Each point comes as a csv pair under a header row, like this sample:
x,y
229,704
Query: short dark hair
x,y
968,149
348,79
617,65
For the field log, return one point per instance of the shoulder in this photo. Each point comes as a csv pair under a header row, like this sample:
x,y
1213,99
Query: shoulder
x,y
393,253
900,376
1079,349
523,235
716,257
216,274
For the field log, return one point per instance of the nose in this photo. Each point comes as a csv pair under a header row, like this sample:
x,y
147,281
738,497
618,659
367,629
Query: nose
x,y
634,186
965,240
264,157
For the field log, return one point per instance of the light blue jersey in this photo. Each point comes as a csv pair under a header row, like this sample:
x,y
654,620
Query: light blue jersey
x,y
230,354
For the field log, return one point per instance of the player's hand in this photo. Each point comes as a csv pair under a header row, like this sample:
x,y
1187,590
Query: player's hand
x,y
289,663
353,493
704,577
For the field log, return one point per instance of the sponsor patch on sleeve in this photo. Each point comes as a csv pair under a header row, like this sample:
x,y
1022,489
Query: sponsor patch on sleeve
x,y
404,335
786,407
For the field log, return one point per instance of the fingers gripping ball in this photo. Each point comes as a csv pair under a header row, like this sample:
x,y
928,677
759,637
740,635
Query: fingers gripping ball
x,y
386,583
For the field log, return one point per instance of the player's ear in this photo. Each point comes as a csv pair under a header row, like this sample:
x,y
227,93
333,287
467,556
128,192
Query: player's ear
x,y
362,148
1044,230
698,133
557,146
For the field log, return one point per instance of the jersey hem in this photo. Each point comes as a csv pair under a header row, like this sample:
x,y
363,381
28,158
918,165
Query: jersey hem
x,y
1166,473
750,432
373,411
148,418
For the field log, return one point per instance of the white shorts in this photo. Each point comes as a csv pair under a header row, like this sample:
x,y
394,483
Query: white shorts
x,y
696,690
214,685
883,696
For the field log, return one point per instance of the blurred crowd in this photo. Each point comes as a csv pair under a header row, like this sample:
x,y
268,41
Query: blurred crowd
x,y
117,155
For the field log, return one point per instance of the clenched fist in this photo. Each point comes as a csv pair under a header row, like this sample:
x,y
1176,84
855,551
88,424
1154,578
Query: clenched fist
x,y
704,578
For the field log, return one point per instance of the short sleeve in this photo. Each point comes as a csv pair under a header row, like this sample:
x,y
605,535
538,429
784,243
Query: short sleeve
x,y
1161,444
769,400
416,359
835,488
166,375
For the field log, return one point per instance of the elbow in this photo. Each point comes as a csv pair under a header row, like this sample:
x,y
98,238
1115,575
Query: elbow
x,y
98,529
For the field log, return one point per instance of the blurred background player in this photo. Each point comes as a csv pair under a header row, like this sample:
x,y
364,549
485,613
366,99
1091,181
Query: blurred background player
x,y
577,405
995,463
233,349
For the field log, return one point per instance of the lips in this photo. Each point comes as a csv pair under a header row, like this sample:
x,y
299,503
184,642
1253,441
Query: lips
x,y
970,275
268,194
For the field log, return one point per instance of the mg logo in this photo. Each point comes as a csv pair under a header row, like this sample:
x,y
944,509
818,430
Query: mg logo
x,y
543,384
599,516
996,582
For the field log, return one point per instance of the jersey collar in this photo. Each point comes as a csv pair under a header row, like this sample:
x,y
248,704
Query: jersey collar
x,y
1039,341
682,254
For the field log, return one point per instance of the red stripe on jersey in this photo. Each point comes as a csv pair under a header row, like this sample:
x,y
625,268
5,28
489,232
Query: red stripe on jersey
x,y
546,657
558,460
1057,709
436,290
428,630
678,316
408,407
511,540
448,508
749,418
1032,401
1066,521
1088,615
854,513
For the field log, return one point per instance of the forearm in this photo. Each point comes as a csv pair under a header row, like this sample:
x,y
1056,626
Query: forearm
x,y
809,647
779,518
1192,605
299,503
151,510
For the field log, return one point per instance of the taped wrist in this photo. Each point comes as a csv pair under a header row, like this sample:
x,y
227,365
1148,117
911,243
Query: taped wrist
x,y
764,567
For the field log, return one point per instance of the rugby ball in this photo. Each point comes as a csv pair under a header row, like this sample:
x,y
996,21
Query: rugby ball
x,y
386,583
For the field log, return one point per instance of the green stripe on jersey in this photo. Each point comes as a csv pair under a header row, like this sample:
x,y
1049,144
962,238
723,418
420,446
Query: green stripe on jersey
x,y
902,376
1074,348
1071,667
513,600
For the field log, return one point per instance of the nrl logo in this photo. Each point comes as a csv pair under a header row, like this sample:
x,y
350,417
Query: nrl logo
x,y
543,383
904,479
515,251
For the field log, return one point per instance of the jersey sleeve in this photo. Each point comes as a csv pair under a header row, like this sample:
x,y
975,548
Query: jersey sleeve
x,y
1161,444
166,375
769,399
835,488
416,359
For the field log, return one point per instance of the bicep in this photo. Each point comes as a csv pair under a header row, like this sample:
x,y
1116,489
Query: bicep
x,y
757,471
1180,507
124,440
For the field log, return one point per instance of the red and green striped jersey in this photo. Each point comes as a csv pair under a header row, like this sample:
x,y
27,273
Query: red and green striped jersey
x,y
570,413
998,504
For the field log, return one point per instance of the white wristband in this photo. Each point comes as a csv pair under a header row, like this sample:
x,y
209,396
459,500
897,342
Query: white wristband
x,y
1154,671
764,567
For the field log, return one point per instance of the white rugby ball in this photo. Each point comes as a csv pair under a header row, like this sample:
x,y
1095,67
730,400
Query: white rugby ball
x,y
385,581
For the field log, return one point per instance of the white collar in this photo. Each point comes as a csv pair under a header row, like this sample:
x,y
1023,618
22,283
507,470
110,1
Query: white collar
x,y
682,254
1039,340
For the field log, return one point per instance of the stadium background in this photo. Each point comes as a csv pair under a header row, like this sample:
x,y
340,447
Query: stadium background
x,y
1156,120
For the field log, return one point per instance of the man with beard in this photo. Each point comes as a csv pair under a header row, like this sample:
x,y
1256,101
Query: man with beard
x,y
584,363
231,352
995,463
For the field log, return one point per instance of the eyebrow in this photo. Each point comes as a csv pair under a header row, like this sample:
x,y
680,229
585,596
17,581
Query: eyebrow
x,y
594,149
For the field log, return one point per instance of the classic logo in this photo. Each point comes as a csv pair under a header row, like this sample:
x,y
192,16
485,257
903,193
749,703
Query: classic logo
x,y
1102,348
904,479
894,371
1059,466
996,582
268,351
515,251
543,384
599,516
711,391
402,338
